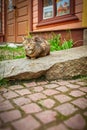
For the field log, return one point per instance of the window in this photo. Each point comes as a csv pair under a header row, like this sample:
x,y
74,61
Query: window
x,y
54,11
10,5
62,7
47,9
0,16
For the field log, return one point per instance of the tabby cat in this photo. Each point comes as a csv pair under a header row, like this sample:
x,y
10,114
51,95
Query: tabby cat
x,y
36,47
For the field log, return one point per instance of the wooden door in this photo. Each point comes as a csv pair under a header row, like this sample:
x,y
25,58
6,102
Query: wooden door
x,y
10,21
22,22
18,21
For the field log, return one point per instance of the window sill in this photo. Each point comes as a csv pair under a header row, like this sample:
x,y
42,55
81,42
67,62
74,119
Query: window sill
x,y
57,20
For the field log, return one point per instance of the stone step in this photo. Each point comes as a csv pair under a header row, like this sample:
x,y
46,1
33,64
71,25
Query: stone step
x,y
58,65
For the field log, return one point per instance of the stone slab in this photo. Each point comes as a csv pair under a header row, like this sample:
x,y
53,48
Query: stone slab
x,y
58,65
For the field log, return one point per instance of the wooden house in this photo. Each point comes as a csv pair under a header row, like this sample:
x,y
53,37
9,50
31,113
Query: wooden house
x,y
42,17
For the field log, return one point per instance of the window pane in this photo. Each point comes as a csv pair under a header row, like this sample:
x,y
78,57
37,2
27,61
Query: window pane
x,y
47,9
10,5
63,7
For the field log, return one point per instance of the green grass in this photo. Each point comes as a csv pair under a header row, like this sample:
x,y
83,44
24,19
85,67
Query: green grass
x,y
8,53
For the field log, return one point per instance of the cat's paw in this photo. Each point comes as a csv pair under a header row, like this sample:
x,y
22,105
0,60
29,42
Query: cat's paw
x,y
33,58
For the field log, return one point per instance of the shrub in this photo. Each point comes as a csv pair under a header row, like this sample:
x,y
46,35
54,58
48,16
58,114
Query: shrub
x,y
57,43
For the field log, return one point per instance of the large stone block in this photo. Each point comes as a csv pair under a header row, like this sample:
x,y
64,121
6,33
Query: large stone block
x,y
58,65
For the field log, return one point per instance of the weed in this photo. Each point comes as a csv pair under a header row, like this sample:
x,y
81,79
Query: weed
x,y
3,82
57,42
29,35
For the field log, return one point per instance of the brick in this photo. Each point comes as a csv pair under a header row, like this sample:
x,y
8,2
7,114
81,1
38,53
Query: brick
x,y
81,103
6,105
42,82
74,81
48,103
63,82
50,92
51,86
62,98
54,82
37,96
77,93
14,87
76,122
85,113
62,89
81,83
66,109
1,98
21,101
0,123
23,92
27,123
10,95
73,86
10,116
31,84
31,108
3,90
38,89
46,116
58,127
84,89
5,129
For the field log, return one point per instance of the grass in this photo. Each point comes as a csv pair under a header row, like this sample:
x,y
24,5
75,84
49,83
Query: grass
x,y
8,53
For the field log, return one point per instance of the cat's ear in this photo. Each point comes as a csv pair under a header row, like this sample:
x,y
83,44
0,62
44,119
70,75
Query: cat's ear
x,y
36,38
24,38
26,41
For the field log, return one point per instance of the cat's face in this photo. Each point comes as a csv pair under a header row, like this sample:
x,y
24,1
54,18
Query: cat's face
x,y
30,48
29,45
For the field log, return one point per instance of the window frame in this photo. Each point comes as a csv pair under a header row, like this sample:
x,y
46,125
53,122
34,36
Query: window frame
x,y
1,18
55,19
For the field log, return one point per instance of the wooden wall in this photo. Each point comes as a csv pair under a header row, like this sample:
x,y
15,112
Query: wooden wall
x,y
3,24
35,14
59,26
2,34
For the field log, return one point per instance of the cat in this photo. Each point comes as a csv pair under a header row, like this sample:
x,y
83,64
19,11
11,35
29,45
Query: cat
x,y
36,47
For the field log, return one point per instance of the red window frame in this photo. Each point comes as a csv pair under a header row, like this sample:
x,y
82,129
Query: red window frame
x,y
1,16
55,19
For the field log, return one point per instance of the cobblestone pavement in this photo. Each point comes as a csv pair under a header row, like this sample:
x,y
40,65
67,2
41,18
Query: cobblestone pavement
x,y
44,105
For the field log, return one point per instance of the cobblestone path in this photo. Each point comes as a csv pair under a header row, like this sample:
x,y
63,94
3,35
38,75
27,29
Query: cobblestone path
x,y
44,105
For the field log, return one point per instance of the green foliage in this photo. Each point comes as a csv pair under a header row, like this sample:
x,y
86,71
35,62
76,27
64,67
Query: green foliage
x,y
57,43
3,82
67,44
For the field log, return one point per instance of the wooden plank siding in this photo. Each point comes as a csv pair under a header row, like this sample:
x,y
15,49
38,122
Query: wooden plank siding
x,y
74,24
2,34
3,29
